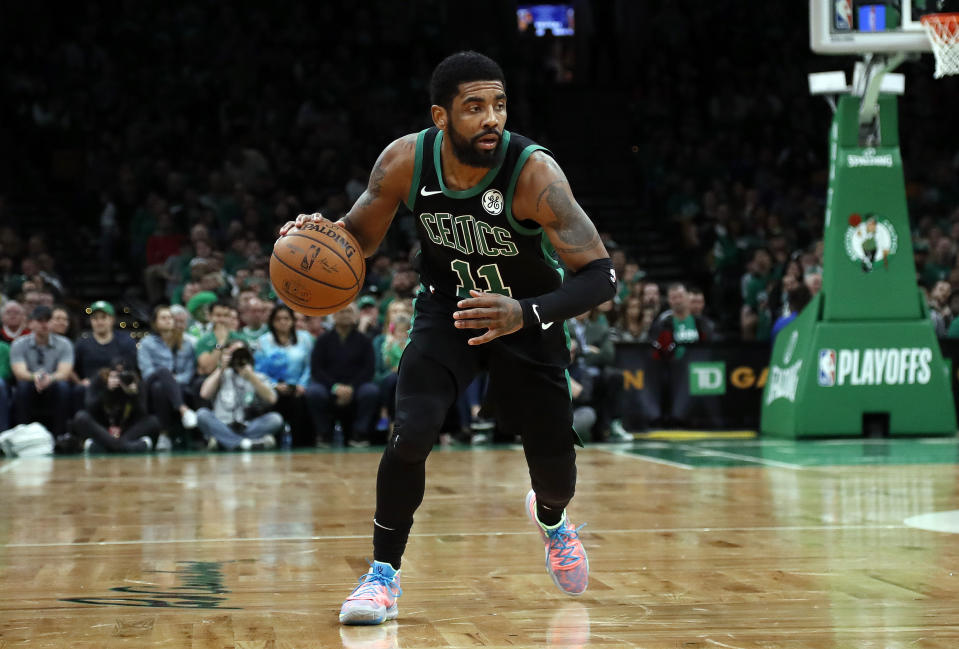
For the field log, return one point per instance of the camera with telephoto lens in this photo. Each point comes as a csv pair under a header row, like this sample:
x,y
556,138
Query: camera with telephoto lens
x,y
127,377
240,357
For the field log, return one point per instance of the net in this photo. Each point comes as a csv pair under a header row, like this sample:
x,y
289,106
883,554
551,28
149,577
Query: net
x,y
943,32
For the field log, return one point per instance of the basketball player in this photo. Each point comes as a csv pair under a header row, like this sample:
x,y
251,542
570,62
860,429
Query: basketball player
x,y
491,208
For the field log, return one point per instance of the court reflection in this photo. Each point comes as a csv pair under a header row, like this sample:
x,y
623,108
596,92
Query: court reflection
x,y
380,636
569,627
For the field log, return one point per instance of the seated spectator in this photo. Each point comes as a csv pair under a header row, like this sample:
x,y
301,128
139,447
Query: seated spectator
x,y
388,347
61,323
210,345
341,385
199,267
238,393
697,307
100,348
5,376
634,322
755,285
652,298
813,281
592,367
939,307
161,246
167,365
369,320
796,299
283,355
114,418
41,363
181,320
254,315
315,325
14,319
676,326
34,297
198,307
937,268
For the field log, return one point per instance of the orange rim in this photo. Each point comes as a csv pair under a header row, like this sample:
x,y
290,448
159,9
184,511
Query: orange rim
x,y
941,23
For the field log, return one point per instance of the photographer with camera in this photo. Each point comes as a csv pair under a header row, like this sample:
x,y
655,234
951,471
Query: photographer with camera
x,y
237,393
114,418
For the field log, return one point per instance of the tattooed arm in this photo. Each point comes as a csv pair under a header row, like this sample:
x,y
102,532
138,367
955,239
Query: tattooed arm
x,y
543,195
389,183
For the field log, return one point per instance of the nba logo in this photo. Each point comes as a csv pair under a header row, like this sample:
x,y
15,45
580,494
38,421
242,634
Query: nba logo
x,y
827,367
843,15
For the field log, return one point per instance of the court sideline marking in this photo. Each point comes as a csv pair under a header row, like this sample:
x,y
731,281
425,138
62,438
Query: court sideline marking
x,y
347,537
699,450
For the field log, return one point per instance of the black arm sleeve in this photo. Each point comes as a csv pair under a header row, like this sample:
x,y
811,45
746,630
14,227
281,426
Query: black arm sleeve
x,y
592,285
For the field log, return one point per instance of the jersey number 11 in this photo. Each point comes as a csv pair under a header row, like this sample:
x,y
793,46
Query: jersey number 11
x,y
489,272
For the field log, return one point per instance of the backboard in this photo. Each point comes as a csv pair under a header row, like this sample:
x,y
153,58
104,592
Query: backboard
x,y
868,26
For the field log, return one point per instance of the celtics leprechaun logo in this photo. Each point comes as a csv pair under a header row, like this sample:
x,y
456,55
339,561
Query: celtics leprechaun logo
x,y
870,239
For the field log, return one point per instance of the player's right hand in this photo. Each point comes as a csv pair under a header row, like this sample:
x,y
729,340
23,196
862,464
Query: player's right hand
x,y
301,220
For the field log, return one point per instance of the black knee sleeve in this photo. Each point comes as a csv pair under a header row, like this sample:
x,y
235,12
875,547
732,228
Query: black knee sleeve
x,y
416,430
553,478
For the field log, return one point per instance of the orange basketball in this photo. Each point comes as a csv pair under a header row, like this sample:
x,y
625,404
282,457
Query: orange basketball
x,y
317,269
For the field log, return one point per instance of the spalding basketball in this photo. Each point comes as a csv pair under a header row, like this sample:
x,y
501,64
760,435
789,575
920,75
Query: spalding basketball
x,y
317,269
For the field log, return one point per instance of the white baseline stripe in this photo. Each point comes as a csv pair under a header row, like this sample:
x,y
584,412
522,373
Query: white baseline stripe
x,y
347,537
744,458
648,458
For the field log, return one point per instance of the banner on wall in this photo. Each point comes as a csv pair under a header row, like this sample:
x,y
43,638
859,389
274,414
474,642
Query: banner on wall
x,y
714,385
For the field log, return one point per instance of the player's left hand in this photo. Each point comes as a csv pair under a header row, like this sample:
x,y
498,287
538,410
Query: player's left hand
x,y
499,314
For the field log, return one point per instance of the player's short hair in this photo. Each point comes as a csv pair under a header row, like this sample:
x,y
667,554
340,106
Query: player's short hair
x,y
458,68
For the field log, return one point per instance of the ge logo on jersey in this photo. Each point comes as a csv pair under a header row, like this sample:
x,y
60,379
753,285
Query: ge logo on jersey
x,y
493,201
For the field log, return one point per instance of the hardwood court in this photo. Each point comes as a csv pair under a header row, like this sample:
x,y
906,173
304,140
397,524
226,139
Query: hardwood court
x,y
731,544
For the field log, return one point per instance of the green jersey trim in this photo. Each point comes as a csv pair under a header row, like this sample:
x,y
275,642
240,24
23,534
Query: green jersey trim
x,y
549,253
417,169
484,181
527,152
577,438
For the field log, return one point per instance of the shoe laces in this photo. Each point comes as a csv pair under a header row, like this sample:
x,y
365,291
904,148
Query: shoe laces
x,y
565,542
369,582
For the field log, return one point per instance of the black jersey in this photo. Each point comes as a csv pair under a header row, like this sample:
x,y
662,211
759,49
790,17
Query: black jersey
x,y
470,239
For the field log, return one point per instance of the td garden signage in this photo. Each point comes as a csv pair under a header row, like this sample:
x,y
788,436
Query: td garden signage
x,y
875,366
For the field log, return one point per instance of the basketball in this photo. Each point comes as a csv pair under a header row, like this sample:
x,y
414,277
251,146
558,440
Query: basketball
x,y
317,269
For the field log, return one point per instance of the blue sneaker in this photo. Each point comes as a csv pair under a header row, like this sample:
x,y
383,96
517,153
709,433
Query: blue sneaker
x,y
373,601
566,560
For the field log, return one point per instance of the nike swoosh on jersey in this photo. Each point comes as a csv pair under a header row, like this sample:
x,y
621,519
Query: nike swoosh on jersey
x,y
423,192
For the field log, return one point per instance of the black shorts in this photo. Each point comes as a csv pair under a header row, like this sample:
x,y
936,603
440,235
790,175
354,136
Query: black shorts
x,y
528,390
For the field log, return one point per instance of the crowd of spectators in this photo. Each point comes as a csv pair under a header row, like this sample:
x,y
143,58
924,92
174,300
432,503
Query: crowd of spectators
x,y
177,140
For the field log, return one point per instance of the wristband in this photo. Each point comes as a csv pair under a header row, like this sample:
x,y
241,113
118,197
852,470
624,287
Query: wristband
x,y
585,289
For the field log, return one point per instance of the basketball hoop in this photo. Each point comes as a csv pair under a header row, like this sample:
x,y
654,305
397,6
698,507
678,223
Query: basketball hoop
x,y
943,32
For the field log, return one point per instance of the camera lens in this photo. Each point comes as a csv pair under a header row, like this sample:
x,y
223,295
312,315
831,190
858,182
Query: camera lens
x,y
241,357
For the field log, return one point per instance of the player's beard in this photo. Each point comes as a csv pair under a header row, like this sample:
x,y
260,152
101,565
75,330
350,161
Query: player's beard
x,y
466,152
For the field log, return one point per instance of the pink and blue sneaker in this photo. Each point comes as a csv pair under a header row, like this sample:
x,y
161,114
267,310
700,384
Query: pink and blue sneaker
x,y
373,601
566,560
